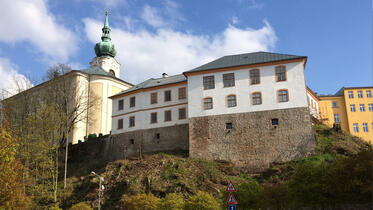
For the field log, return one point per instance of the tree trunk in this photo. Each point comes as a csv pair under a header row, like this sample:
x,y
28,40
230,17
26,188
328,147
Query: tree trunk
x,y
66,156
56,178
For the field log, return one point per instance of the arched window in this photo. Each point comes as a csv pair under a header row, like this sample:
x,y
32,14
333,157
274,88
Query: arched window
x,y
207,103
283,96
112,72
256,98
231,101
280,73
254,76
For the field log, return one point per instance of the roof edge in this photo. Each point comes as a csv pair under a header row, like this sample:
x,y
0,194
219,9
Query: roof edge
x,y
142,89
248,65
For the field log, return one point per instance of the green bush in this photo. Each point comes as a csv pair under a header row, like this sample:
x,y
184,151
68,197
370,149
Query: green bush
x,y
309,185
92,136
274,196
350,179
202,201
54,208
142,202
172,201
81,206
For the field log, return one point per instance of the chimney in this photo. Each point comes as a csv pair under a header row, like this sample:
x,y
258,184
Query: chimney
x,y
164,75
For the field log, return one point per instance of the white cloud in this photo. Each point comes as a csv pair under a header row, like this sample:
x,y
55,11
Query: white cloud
x,y
144,54
30,20
255,5
234,20
108,3
167,16
151,16
12,82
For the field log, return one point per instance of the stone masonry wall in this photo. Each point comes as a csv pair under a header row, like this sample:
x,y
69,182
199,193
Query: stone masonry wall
x,y
129,144
253,142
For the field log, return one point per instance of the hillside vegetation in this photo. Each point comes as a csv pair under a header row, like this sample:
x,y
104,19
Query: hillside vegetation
x,y
337,174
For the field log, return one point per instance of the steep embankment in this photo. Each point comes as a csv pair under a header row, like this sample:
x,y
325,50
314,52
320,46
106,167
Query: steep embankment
x,y
164,173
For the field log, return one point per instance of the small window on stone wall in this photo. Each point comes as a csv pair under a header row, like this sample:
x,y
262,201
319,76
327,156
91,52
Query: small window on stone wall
x,y
228,125
132,141
158,135
275,121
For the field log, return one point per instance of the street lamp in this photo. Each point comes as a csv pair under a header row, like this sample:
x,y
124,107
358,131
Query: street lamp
x,y
101,187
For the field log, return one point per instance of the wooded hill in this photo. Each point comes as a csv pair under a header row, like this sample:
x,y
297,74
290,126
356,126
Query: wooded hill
x,y
338,175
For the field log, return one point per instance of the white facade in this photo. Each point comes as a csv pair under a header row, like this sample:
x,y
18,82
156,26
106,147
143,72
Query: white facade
x,y
295,84
143,108
313,104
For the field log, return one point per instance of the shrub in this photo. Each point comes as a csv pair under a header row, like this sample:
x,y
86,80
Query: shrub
x,y
274,196
172,201
92,136
202,201
54,208
350,179
309,185
81,206
142,202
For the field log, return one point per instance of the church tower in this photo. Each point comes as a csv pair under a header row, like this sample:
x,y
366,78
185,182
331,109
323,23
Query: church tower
x,y
105,52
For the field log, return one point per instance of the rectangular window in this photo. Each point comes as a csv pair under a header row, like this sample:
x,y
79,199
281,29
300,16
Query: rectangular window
x,y
283,96
153,98
153,117
280,73
182,114
132,121
362,107
336,118
365,127
208,82
120,104
274,121
254,77
228,126
359,94
228,80
167,95
370,107
231,101
350,94
352,108
182,93
256,98
335,105
120,124
132,101
369,94
207,103
167,115
356,127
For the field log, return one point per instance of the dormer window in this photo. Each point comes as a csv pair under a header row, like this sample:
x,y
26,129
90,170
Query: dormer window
x,y
112,72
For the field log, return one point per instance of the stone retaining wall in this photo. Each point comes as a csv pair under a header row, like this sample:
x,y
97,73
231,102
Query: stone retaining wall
x,y
132,144
253,142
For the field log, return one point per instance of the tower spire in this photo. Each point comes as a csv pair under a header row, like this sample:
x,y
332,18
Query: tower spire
x,y
106,29
106,20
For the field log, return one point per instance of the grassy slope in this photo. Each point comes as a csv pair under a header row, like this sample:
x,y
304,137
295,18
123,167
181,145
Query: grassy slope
x,y
164,173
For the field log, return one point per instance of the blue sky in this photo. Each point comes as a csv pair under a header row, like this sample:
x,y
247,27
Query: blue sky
x,y
152,37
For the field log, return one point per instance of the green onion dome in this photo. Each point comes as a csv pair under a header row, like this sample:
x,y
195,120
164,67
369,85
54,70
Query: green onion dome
x,y
105,47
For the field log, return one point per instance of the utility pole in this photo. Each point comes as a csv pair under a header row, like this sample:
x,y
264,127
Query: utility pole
x,y
101,187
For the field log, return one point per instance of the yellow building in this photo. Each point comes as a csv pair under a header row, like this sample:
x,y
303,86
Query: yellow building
x,y
352,108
